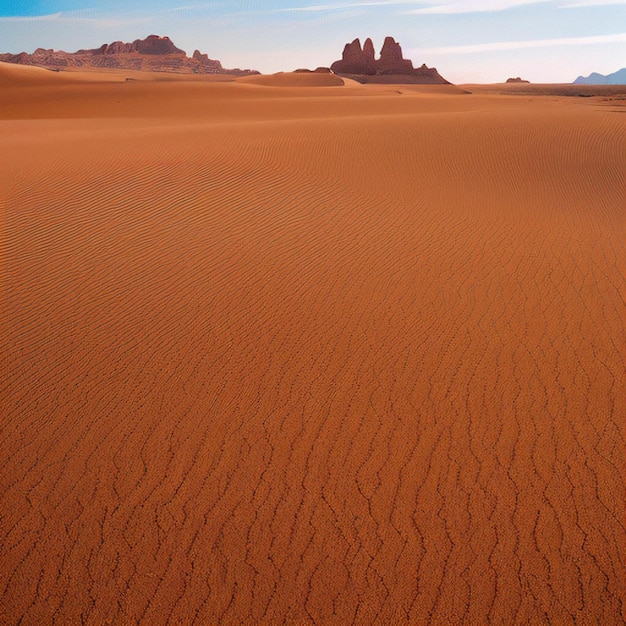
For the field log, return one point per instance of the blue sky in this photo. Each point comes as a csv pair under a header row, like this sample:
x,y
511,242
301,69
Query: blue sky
x,y
467,40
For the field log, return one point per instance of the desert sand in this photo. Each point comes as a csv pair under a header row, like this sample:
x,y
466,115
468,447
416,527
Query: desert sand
x,y
290,353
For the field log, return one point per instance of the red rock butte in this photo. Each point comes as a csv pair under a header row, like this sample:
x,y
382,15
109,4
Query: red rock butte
x,y
154,53
390,67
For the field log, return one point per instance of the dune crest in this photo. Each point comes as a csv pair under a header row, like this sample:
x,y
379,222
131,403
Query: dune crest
x,y
294,79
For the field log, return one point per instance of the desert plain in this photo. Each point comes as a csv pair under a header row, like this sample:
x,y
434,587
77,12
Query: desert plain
x,y
282,350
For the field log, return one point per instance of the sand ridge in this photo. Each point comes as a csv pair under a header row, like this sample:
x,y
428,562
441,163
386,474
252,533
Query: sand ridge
x,y
294,79
271,357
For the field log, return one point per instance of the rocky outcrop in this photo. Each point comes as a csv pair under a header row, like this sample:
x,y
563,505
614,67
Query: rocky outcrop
x,y
391,60
359,62
153,44
517,79
356,60
154,53
203,61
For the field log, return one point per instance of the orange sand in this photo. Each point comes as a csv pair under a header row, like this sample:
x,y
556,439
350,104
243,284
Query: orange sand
x,y
322,354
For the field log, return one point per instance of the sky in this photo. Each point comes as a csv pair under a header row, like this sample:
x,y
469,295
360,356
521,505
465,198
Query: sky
x,y
466,40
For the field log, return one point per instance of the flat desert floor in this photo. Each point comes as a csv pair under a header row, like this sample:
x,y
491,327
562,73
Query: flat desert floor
x,y
281,351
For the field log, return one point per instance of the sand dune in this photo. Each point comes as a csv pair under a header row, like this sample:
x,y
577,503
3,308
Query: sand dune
x,y
334,356
540,89
13,75
24,75
293,79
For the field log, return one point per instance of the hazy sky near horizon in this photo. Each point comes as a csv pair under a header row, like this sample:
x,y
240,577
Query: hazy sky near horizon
x,y
467,40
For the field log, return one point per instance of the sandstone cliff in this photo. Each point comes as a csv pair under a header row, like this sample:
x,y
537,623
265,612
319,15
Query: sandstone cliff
x,y
154,53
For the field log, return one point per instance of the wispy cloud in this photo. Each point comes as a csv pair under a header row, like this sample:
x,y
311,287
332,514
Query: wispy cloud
x,y
477,6
187,7
415,7
310,9
521,45
74,18
53,17
346,6
472,6
593,3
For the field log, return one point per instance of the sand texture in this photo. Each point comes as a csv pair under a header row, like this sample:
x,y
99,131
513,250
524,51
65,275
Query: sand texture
x,y
310,355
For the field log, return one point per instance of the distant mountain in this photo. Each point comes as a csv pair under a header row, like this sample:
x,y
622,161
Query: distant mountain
x,y
154,54
616,78
361,64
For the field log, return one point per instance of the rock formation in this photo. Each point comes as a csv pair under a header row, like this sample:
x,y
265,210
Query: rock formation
x,y
205,62
517,79
356,60
154,53
391,60
153,44
361,62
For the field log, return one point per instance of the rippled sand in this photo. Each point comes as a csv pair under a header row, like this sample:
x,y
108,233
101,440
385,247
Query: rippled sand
x,y
310,354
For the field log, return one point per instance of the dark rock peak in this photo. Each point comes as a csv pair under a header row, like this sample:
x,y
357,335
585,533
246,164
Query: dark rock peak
x,y
362,62
391,50
202,58
517,79
391,60
354,47
153,44
358,60
368,49
352,51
